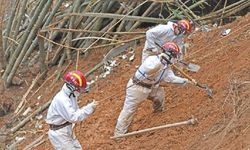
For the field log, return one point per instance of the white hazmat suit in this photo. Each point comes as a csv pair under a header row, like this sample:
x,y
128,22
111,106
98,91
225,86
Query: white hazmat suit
x,y
64,108
161,34
150,73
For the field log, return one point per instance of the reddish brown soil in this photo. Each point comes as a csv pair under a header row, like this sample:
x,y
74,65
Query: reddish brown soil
x,y
223,121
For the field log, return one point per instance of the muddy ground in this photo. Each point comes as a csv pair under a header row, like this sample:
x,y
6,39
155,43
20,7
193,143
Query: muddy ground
x,y
223,121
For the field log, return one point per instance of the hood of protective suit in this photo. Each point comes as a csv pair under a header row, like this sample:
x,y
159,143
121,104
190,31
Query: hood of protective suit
x,y
67,91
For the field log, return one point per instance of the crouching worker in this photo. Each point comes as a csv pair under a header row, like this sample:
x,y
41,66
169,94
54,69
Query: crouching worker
x,y
64,111
145,85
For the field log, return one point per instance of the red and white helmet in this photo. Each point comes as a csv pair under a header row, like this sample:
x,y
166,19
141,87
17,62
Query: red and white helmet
x,y
172,48
185,25
77,80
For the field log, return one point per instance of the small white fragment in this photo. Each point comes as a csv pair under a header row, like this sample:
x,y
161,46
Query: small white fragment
x,y
39,117
39,97
132,57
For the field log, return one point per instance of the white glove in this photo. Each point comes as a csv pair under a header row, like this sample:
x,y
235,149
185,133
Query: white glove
x,y
90,108
94,104
185,81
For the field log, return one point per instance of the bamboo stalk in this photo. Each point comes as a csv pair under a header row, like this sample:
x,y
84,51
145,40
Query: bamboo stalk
x,y
22,42
27,119
42,55
84,38
76,5
216,13
29,40
101,46
116,16
143,15
129,24
9,25
33,144
223,12
23,100
229,12
88,31
114,25
48,20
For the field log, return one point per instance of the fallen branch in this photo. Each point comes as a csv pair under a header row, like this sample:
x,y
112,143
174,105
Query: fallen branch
x,y
20,105
35,143
88,31
116,16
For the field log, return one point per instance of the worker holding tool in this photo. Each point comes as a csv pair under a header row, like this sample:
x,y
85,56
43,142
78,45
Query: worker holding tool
x,y
64,112
145,84
171,32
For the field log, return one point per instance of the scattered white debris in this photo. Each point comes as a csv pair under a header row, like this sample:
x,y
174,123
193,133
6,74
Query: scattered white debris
x,y
113,63
19,138
96,78
28,110
225,32
38,125
39,117
91,82
124,56
215,25
67,5
131,58
196,29
205,28
39,97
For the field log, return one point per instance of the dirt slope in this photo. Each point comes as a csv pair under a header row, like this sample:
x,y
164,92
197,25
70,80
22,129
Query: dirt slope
x,y
223,121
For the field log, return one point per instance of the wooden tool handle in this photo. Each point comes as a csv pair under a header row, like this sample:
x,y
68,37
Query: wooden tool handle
x,y
184,74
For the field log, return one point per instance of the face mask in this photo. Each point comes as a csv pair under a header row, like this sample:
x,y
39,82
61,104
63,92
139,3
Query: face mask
x,y
76,93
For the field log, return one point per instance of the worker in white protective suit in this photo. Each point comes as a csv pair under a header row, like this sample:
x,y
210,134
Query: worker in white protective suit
x,y
145,85
162,33
64,112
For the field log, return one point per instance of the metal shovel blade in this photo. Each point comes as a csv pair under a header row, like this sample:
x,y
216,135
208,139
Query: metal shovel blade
x,y
205,87
193,67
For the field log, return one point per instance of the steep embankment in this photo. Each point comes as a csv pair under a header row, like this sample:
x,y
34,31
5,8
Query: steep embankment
x,y
223,120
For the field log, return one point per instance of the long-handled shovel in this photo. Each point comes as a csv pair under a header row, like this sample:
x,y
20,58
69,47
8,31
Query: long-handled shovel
x,y
191,66
203,86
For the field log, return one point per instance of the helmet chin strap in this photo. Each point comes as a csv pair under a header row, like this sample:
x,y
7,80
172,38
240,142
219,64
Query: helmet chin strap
x,y
73,92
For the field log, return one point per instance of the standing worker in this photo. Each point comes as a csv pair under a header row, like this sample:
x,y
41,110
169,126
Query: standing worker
x,y
171,32
145,84
64,112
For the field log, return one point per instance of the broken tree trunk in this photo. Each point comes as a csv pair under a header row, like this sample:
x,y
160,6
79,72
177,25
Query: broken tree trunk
x,y
42,55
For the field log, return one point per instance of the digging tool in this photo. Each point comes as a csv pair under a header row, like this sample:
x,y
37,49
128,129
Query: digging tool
x,y
191,121
203,86
191,66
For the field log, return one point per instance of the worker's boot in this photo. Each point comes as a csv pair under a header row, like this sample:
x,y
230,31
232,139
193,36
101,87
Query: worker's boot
x,y
157,106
